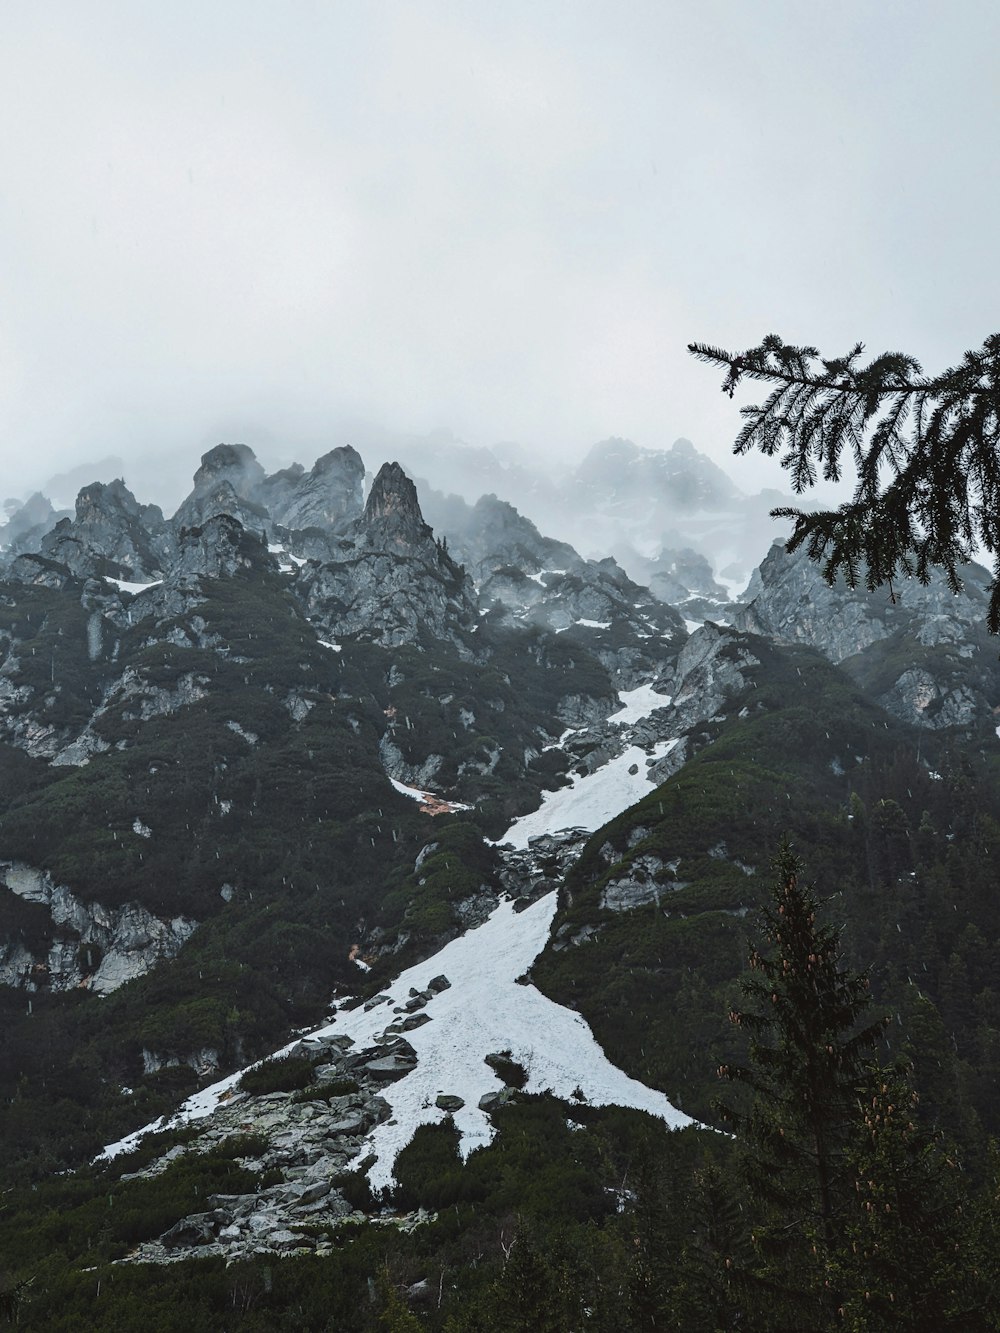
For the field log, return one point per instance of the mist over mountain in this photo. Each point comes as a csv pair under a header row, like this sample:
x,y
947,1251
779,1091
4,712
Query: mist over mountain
x,y
653,511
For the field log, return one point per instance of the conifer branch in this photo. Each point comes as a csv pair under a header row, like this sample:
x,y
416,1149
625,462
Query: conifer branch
x,y
926,450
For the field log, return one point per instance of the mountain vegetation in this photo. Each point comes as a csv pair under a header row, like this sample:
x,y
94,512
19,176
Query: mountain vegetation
x,y
257,759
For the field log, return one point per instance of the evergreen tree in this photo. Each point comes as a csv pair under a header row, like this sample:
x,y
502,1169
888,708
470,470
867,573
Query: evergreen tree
x,y
926,450
907,1260
808,1069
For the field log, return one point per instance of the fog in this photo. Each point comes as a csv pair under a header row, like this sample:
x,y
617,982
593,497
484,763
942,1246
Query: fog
x,y
309,224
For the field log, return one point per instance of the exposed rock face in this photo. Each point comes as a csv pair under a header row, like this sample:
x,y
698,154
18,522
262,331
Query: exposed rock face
x,y
491,536
93,947
220,498
111,529
795,604
392,583
922,647
392,518
525,578
643,883
39,572
310,1143
327,497
28,523
234,463
221,547
676,576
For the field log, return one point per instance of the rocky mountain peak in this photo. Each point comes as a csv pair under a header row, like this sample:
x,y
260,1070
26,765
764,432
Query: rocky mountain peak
x,y
921,649
104,498
392,517
111,532
220,548
218,495
235,463
329,496
33,517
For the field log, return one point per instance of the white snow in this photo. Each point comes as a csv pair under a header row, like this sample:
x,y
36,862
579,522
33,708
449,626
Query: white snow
x,y
591,800
483,1011
337,647
637,704
124,586
692,625
594,624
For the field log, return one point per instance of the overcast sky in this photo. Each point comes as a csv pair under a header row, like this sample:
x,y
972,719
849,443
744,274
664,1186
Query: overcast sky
x,y
254,221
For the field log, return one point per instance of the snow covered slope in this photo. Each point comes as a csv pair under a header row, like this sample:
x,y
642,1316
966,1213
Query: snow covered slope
x,y
485,1009
593,799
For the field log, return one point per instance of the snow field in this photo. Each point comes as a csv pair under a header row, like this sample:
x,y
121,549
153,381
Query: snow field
x,y
484,1011
591,800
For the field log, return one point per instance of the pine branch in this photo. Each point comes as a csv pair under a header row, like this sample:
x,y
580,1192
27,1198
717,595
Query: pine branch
x,y
926,451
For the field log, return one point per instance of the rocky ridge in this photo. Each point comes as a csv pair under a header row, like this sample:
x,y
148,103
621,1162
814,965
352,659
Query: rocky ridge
x,y
921,649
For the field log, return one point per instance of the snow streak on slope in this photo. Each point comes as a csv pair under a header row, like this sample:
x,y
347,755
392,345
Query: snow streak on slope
x,y
591,800
485,1010
134,588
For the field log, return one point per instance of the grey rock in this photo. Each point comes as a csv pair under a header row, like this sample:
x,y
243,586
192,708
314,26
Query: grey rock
x,y
447,1101
198,1229
491,1100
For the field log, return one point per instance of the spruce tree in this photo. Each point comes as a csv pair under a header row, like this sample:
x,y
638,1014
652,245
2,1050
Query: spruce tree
x,y
808,1070
926,450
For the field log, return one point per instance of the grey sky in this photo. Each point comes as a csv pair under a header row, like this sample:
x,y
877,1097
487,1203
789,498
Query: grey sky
x,y
242,220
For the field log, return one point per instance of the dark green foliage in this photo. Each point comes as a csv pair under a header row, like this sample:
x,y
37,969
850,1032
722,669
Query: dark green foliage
x,y
925,449
286,1074
514,1075
334,1087
857,1215
810,1040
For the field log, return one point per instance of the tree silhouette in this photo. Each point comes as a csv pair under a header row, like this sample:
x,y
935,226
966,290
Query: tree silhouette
x,y
925,449
808,1068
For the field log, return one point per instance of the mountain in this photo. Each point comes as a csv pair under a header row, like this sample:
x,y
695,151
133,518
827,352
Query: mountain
x,y
654,510
377,872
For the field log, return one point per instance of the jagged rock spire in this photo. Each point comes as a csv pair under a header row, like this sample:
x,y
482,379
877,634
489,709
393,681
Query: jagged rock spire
x,y
392,517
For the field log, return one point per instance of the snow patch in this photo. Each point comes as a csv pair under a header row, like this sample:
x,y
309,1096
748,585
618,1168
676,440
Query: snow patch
x,y
637,704
123,585
437,804
325,643
591,800
484,1010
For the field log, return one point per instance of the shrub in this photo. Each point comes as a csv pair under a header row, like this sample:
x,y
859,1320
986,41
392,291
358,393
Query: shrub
x,y
285,1075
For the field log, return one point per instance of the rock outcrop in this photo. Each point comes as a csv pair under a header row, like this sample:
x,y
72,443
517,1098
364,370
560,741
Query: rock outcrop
x,y
921,649
392,582
91,947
